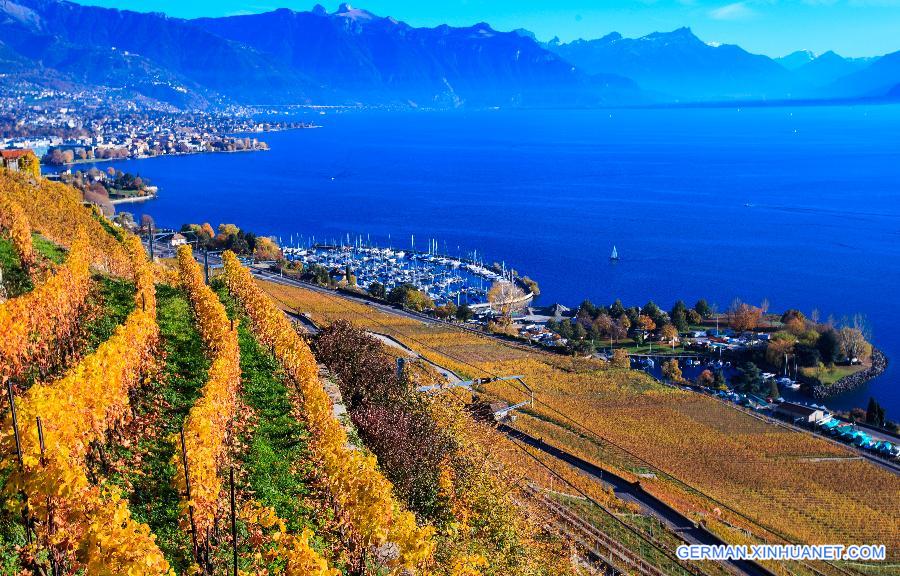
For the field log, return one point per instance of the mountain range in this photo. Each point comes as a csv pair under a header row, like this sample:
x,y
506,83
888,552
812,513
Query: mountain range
x,y
352,56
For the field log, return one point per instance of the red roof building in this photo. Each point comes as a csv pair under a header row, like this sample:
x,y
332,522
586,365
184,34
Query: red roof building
x,y
21,160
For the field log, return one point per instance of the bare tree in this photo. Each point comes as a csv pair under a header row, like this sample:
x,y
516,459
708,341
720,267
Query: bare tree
x,y
504,296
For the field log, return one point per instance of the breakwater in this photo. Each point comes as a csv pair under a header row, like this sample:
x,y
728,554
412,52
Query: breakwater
x,y
854,381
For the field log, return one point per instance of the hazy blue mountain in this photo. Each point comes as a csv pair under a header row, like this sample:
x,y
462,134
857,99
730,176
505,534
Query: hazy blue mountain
x,y
121,47
365,55
353,56
680,65
877,79
796,59
285,56
812,77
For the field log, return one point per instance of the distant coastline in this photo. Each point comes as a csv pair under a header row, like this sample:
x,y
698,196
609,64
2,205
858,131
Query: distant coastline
x,y
199,153
132,199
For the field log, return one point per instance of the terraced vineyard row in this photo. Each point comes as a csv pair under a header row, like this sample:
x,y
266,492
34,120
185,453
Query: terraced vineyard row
x,y
56,211
84,524
37,326
14,222
358,488
208,423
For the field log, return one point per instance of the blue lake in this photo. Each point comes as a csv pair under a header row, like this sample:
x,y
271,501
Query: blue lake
x,y
551,192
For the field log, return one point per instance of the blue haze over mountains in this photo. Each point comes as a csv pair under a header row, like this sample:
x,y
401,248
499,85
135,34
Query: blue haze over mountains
x,y
354,57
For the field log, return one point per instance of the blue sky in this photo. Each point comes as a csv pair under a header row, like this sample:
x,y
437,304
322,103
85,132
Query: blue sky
x,y
773,27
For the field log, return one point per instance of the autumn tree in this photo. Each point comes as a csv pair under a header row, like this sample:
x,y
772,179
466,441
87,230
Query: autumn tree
x,y
503,296
706,379
744,317
779,348
446,311
646,323
147,222
532,285
620,328
620,359
267,249
853,344
669,333
672,371
603,325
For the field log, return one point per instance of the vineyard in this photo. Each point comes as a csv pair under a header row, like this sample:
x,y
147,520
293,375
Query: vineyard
x,y
738,474
155,424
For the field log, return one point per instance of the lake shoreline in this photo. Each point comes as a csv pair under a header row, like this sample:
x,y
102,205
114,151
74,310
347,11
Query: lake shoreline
x,y
854,381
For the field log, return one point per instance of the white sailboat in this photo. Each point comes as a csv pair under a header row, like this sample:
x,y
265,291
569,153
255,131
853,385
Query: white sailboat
x,y
615,254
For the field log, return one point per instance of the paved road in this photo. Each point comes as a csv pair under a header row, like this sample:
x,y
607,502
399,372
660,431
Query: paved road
x,y
449,375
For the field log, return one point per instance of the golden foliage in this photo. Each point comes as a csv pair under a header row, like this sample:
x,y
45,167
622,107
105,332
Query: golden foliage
x,y
269,536
56,210
208,422
14,221
71,514
362,494
35,323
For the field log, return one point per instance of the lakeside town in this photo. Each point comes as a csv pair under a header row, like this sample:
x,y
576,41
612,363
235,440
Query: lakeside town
x,y
64,128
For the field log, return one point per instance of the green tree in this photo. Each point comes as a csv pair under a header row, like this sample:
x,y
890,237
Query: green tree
x,y
616,309
679,316
579,333
377,290
748,378
702,308
464,313
588,309
653,311
875,414
316,274
829,345
719,380
348,275
409,296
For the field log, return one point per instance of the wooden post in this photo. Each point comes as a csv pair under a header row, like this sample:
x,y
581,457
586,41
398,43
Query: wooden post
x,y
15,421
234,546
40,427
150,228
187,483
54,565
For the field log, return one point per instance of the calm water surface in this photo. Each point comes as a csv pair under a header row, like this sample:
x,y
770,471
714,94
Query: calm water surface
x,y
551,193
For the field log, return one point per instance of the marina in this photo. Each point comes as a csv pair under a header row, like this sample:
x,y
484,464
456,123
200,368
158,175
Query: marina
x,y
444,278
